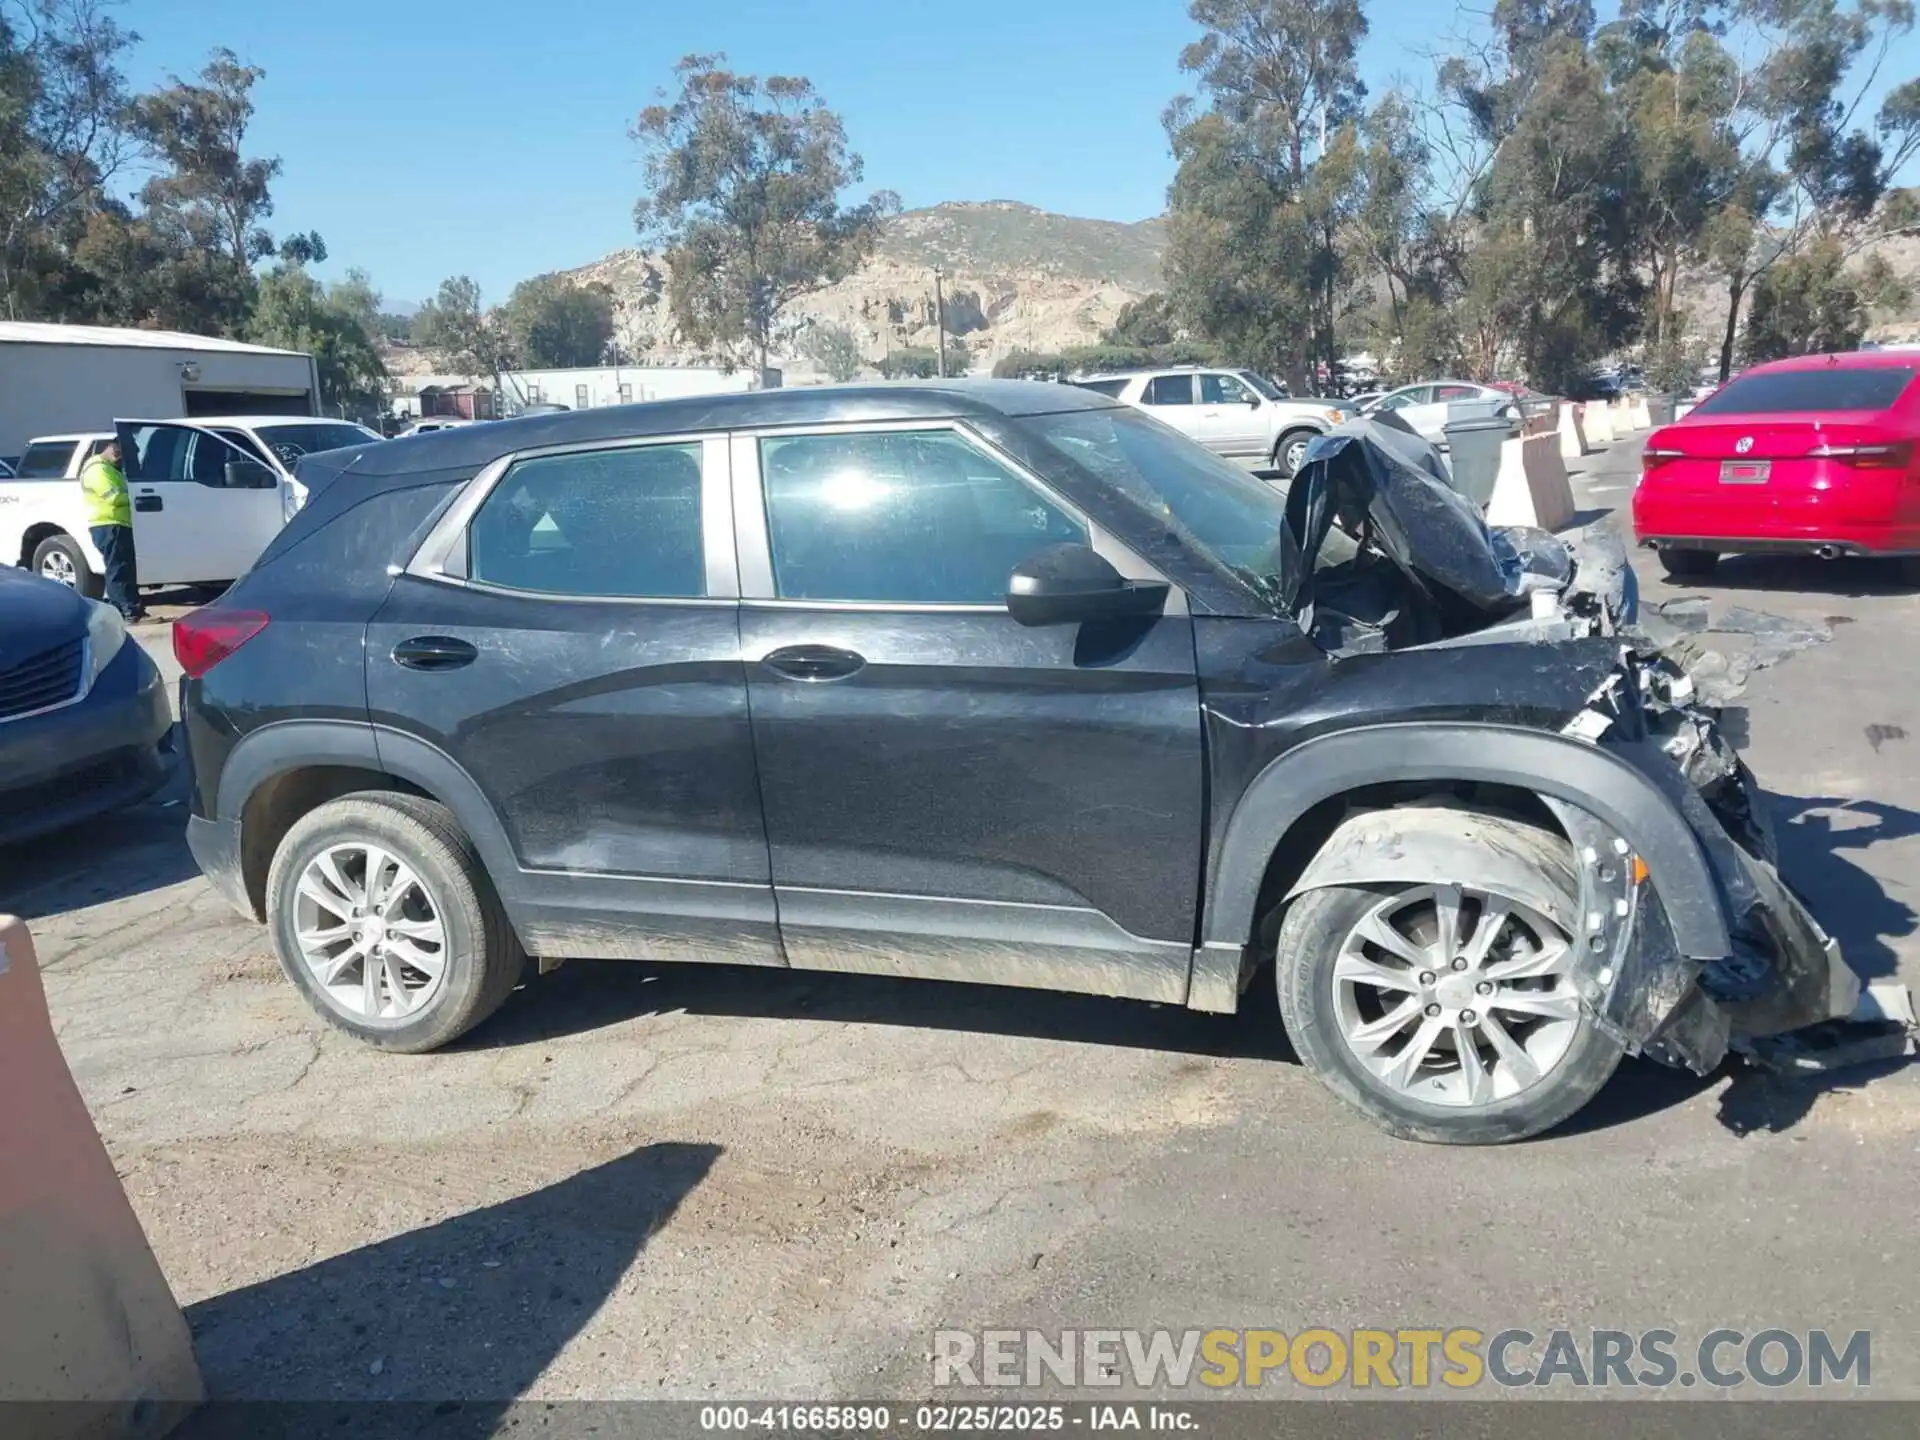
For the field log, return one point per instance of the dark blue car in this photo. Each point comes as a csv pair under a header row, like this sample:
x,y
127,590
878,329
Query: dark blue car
x,y
84,722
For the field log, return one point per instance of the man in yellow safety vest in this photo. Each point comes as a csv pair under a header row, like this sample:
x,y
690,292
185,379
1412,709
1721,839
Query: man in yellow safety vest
x,y
110,522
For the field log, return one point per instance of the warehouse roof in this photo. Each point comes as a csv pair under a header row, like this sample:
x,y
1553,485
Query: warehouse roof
x,y
25,332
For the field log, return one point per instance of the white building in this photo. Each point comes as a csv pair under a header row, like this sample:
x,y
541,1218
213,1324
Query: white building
x,y
58,379
621,385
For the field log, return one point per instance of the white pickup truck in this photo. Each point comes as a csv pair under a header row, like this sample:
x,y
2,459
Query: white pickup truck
x,y
208,495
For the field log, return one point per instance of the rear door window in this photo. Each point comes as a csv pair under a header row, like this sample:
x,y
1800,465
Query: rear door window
x,y
604,523
1170,390
1110,388
46,461
1832,388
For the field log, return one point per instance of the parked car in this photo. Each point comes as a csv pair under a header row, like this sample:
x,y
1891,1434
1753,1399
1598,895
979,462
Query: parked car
x,y
84,723
1818,455
984,681
428,424
208,494
1428,406
1235,413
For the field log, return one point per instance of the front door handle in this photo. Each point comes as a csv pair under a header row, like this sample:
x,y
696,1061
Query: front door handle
x,y
813,662
434,652
148,502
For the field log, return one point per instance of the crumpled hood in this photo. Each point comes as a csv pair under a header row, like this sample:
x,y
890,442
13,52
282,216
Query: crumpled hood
x,y
1379,551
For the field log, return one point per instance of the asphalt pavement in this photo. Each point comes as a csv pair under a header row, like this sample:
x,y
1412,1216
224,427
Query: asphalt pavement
x,y
643,1181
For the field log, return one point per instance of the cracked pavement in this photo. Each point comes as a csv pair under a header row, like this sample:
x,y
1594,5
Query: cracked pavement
x,y
643,1180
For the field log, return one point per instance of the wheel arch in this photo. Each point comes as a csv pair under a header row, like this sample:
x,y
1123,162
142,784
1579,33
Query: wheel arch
x,y
287,769
1285,816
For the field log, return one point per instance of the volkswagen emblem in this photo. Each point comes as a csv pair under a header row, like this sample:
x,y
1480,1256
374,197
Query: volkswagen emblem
x,y
1743,445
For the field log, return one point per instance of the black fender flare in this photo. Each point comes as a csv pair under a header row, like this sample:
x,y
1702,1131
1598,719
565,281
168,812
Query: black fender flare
x,y
285,745
1618,793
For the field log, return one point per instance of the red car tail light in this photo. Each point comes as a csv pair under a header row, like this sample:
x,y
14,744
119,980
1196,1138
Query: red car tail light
x,y
206,637
1892,456
1652,459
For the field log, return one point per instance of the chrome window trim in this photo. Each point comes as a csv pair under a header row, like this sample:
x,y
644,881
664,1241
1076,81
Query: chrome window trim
x,y
756,553
442,556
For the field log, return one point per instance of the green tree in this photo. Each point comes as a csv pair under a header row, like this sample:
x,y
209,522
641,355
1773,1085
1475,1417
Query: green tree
x,y
553,324
834,349
1251,260
64,137
1816,301
1146,322
468,338
294,312
744,180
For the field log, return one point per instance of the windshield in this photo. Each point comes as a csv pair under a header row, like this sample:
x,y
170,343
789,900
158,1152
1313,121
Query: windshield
x,y
290,442
1260,382
1217,508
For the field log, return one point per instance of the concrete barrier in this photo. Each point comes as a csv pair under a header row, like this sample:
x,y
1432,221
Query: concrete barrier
x,y
1621,418
1532,486
1642,416
85,1314
1597,422
1573,439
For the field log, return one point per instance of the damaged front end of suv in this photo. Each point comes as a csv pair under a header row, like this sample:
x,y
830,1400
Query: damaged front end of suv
x,y
1382,555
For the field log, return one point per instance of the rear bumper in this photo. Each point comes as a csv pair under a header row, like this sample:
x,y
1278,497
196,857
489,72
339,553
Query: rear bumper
x,y
1887,544
109,751
216,850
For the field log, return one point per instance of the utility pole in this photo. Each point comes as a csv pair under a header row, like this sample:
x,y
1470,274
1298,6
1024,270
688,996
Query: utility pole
x,y
939,326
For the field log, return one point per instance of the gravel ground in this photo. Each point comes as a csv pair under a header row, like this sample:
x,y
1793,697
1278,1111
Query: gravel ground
x,y
644,1181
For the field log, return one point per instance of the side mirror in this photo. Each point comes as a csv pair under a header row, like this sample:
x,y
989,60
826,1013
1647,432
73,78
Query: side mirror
x,y
251,475
1069,584
1253,402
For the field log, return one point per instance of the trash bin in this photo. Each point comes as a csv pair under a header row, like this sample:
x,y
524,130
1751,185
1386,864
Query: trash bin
x,y
1475,446
1659,408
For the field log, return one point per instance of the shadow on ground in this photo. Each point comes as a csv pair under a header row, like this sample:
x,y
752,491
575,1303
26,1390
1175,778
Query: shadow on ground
x,y
1851,576
1815,835
462,1317
111,857
587,995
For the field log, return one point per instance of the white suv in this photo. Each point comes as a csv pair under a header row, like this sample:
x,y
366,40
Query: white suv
x,y
1234,413
208,495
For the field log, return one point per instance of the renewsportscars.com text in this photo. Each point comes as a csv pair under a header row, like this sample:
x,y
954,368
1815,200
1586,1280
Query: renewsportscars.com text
x,y
1366,1359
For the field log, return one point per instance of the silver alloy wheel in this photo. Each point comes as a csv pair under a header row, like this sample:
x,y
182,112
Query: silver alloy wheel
x,y
370,933
1456,996
57,566
1295,455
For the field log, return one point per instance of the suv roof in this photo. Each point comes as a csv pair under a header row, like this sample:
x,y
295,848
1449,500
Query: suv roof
x,y
470,447
74,435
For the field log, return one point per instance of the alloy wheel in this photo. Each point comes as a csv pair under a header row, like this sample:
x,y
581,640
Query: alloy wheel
x,y
370,933
1296,456
57,566
1454,996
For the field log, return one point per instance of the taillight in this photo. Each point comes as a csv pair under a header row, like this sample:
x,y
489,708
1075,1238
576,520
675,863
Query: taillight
x,y
202,639
1652,459
1896,456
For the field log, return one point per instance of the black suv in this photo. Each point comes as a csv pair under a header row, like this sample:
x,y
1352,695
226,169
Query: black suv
x,y
999,682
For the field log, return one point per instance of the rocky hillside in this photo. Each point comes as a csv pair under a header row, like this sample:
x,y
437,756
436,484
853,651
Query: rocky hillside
x,y
1015,278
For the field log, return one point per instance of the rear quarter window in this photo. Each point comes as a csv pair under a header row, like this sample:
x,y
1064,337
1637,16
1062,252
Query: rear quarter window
x,y
47,461
1836,388
1110,388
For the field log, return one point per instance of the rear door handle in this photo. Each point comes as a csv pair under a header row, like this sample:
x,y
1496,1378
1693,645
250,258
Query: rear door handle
x,y
813,662
434,652
148,502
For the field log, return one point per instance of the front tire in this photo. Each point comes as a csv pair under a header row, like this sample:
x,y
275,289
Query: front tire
x,y
1290,452
1479,1046
60,559
1688,564
387,924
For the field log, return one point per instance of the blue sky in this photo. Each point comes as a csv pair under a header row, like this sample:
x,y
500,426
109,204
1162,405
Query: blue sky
x,y
489,138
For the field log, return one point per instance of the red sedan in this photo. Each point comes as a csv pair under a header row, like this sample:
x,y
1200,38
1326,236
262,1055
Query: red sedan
x,y
1813,456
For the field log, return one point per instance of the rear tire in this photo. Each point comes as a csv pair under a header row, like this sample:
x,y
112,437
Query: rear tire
x,y
1688,564
60,559
458,981
1318,1006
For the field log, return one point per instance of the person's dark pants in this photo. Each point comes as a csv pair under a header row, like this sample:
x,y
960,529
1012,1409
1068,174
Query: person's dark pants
x,y
115,544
